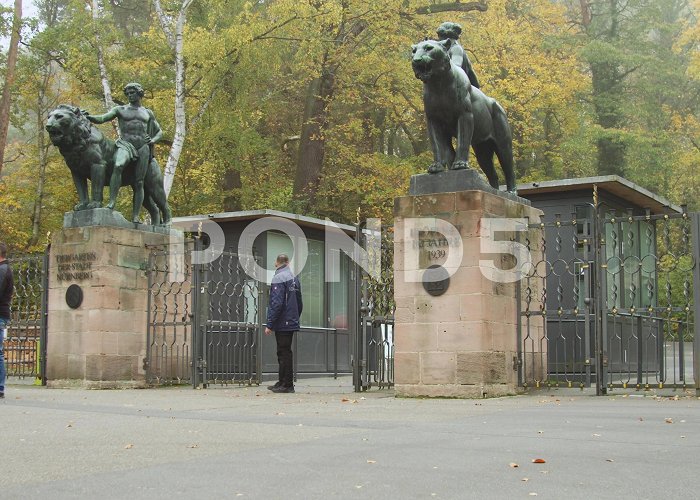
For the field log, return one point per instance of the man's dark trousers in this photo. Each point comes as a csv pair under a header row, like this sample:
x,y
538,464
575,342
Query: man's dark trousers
x,y
285,358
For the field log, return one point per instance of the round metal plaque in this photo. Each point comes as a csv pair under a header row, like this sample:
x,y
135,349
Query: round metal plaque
x,y
74,296
436,280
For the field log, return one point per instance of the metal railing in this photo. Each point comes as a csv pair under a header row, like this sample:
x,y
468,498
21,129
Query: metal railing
x,y
25,345
612,300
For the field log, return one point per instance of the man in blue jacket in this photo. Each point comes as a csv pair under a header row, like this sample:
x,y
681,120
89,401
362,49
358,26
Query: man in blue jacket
x,y
283,313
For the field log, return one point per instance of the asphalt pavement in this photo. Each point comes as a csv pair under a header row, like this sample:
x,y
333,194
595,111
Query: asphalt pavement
x,y
325,441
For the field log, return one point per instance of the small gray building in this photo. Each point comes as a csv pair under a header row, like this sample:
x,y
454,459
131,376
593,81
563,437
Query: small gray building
x,y
323,344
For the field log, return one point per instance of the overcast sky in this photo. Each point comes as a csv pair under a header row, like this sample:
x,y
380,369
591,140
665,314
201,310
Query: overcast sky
x,y
28,10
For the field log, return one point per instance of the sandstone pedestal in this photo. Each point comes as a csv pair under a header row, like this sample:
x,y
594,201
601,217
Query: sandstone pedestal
x,y
101,342
464,342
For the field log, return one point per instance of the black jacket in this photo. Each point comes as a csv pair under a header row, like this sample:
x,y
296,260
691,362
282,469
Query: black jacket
x,y
7,287
285,304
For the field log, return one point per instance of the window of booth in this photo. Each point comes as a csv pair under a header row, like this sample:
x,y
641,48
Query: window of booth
x,y
338,306
311,276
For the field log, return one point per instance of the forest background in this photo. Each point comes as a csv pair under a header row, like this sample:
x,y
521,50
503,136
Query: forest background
x,y
311,106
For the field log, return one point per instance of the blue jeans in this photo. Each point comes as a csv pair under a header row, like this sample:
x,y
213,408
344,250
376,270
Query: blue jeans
x,y
3,324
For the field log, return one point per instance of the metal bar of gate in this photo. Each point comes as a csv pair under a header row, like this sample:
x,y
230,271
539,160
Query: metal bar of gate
x,y
600,289
695,229
44,316
196,316
359,321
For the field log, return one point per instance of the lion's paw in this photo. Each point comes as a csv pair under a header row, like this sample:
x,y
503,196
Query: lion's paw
x,y
80,206
435,168
460,165
94,204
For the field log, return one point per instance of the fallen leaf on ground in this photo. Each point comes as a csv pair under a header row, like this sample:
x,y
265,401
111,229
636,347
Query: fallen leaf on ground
x,y
539,461
609,460
525,479
371,461
596,435
533,494
344,400
193,446
128,446
513,464
669,420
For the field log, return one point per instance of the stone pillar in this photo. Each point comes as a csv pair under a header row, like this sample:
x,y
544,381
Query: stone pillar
x,y
464,342
101,343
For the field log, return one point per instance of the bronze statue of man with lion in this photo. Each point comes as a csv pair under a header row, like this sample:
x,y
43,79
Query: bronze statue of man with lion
x,y
128,161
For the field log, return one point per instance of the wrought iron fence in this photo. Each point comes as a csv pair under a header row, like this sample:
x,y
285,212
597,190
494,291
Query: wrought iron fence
x,y
648,318
374,350
554,334
610,300
170,315
25,345
229,323
204,322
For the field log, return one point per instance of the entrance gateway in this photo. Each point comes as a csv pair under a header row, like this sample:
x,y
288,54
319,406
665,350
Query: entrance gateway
x,y
613,304
206,321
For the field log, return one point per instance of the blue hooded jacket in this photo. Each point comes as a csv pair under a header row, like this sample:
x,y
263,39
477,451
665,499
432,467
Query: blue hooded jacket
x,y
285,304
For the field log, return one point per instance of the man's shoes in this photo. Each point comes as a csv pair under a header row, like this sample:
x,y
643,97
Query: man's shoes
x,y
281,389
2,395
271,387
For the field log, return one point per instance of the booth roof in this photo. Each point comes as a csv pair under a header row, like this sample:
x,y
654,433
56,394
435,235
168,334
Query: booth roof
x,y
614,184
249,215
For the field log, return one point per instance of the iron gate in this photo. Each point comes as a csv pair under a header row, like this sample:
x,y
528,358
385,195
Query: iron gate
x,y
204,319
373,361
25,345
610,301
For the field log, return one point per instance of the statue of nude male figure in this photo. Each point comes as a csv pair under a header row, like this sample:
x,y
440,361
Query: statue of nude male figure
x,y
139,132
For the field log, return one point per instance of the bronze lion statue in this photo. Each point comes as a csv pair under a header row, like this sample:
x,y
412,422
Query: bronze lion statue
x,y
455,108
90,155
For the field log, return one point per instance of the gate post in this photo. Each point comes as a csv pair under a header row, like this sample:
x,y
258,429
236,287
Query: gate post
x,y
695,228
98,306
199,302
44,314
456,335
600,291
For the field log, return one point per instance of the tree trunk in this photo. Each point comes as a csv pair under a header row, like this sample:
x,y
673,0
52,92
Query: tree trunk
x,y
176,40
312,145
104,77
9,79
42,149
606,79
232,180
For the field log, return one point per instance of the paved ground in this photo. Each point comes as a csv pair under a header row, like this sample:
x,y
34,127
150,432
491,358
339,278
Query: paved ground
x,y
326,442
